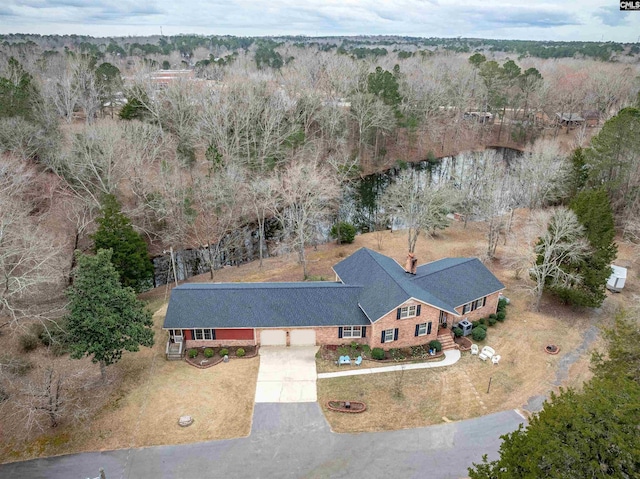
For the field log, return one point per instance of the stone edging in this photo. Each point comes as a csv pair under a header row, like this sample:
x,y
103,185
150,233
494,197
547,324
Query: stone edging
x,y
552,352
218,360
348,411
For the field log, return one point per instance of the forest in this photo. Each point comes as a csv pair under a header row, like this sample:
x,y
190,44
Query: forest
x,y
243,148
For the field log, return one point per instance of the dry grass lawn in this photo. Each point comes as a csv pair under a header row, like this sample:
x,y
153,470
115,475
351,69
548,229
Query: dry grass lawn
x,y
152,394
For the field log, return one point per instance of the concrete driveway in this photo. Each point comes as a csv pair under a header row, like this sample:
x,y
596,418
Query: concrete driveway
x,y
287,374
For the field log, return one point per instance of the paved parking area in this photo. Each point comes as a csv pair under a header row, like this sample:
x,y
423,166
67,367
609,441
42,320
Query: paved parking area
x,y
287,374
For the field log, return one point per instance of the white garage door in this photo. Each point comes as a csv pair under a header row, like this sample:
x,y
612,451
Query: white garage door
x,y
273,337
303,337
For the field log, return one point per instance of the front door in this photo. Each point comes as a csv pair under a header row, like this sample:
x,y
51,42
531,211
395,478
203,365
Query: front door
x,y
443,319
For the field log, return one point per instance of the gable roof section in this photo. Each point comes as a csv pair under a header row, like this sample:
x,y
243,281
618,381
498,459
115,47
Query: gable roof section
x,y
264,305
457,281
385,284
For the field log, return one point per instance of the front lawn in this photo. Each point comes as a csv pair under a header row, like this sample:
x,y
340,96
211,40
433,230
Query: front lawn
x,y
422,397
145,407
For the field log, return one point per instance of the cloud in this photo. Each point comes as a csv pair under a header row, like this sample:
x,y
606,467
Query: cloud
x,y
539,19
523,17
612,15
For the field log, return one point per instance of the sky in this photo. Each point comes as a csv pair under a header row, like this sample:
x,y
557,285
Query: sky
x,y
590,20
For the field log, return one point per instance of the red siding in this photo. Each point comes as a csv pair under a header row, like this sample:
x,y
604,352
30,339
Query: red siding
x,y
234,334
187,334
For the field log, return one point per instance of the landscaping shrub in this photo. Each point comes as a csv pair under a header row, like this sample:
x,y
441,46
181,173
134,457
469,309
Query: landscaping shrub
x,y
492,321
345,232
193,353
343,351
478,334
208,353
240,352
396,354
28,342
483,326
501,315
435,345
418,351
502,304
224,352
377,353
492,316
354,345
475,324
366,349
457,332
482,321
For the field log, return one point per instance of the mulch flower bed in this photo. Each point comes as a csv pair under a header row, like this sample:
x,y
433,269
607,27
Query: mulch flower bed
x,y
394,355
464,343
352,407
203,362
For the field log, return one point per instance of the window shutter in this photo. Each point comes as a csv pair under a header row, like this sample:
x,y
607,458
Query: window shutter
x,y
417,329
382,338
395,334
364,331
340,332
484,301
429,327
213,334
418,310
193,334
398,313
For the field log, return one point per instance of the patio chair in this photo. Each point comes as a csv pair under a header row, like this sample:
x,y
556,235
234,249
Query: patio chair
x,y
475,349
358,361
486,353
345,360
495,359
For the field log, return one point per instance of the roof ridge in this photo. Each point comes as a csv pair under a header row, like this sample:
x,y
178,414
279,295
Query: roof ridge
x,y
467,259
387,272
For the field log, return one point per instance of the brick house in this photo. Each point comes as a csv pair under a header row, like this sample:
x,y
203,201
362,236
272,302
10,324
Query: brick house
x,y
373,301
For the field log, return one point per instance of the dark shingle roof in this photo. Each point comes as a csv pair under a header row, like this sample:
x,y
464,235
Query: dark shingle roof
x,y
263,305
457,280
385,284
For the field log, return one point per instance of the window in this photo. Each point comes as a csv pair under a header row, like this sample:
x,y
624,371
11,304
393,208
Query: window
x,y
423,329
352,331
206,334
408,311
473,305
388,335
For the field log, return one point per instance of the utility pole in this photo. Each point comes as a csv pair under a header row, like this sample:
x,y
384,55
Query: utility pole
x,y
173,264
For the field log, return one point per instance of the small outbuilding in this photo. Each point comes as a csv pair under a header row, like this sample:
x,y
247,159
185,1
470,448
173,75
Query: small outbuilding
x,y
616,281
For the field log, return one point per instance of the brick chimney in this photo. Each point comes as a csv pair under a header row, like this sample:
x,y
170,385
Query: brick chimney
x,y
411,264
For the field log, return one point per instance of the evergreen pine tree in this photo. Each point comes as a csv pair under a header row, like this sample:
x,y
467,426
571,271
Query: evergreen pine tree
x,y
130,256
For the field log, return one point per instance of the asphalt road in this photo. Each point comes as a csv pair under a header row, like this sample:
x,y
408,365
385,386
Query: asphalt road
x,y
293,440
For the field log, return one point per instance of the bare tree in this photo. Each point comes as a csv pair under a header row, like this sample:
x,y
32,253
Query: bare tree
x,y
88,92
260,193
306,193
540,175
562,243
29,256
371,115
418,206
221,206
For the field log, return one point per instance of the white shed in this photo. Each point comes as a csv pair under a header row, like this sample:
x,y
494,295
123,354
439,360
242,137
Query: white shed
x,y
616,281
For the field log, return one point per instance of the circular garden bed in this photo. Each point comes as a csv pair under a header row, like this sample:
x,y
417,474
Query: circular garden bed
x,y
551,349
204,357
352,407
